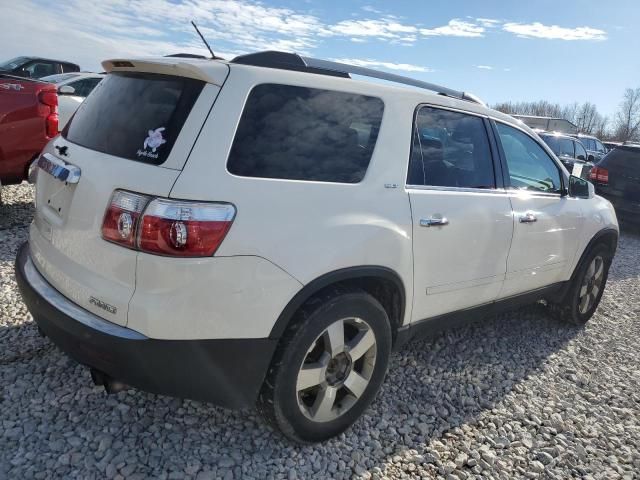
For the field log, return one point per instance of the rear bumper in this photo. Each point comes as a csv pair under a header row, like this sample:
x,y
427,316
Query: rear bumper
x,y
227,372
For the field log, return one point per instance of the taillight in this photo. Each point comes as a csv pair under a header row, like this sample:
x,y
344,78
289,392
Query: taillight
x,y
50,100
599,175
166,227
184,229
120,222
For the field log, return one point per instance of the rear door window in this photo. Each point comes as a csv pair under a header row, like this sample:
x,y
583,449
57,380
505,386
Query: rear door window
x,y
137,116
450,149
300,133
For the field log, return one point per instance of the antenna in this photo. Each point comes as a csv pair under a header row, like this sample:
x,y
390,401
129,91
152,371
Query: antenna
x,y
213,56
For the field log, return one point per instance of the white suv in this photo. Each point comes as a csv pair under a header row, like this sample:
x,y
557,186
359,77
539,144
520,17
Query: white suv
x,y
266,230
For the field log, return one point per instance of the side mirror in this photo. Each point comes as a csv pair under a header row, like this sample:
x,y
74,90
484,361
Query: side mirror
x,y
580,188
66,90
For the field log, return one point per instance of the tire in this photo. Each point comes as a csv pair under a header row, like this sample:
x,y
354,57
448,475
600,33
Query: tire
x,y
335,387
586,288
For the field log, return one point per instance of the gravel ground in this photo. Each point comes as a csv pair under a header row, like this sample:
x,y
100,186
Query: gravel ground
x,y
519,396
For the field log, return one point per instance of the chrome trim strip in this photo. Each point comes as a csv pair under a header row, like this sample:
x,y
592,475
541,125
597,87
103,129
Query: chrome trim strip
x,y
457,189
65,172
64,305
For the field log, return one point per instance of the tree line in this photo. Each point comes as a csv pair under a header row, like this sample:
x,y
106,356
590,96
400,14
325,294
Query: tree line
x,y
624,126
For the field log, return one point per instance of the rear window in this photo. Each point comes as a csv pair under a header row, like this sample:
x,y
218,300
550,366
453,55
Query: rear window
x,y
134,116
300,133
622,157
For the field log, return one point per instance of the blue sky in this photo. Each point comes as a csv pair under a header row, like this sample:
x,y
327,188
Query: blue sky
x,y
517,50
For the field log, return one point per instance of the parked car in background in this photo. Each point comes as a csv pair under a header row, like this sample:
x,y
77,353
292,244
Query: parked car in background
x,y
28,120
611,145
280,260
36,67
595,149
549,124
570,152
617,178
72,88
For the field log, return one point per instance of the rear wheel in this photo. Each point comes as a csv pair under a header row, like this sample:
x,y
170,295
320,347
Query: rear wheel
x,y
329,366
587,287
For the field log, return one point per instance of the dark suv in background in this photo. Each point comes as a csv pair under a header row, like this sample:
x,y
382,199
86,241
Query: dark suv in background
x,y
595,149
570,151
617,178
36,67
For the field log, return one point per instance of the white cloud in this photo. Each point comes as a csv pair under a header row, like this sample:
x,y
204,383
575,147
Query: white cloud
x,y
538,30
370,9
484,67
455,28
488,22
388,65
387,28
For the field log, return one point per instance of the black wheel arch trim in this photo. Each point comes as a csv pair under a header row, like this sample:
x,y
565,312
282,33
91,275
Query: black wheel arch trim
x,y
331,278
613,235
600,235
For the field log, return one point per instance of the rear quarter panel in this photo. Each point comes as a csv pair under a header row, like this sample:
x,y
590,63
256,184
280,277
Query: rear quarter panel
x,y
309,228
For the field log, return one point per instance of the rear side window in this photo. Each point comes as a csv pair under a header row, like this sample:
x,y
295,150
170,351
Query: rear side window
x,y
137,116
450,149
300,133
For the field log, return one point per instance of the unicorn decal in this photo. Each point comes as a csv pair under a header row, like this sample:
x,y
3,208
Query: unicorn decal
x,y
154,140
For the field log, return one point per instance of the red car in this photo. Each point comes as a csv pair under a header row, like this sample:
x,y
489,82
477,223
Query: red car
x,y
28,120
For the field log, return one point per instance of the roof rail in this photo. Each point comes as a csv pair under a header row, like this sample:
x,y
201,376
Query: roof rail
x,y
293,61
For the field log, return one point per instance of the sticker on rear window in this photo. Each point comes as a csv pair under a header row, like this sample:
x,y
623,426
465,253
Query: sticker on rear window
x,y
153,141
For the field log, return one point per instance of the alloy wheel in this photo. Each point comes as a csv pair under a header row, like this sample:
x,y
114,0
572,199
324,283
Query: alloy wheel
x,y
336,369
591,285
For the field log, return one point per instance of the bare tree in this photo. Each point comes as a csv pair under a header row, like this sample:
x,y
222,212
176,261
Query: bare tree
x,y
585,116
627,123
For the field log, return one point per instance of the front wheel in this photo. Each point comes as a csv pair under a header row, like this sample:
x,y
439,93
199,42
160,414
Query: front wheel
x,y
587,287
329,366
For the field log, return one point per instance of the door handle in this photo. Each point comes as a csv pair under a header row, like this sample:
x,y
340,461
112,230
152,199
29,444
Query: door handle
x,y
434,222
528,217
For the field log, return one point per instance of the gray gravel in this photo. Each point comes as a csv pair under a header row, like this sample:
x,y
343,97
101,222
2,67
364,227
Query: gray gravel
x,y
519,396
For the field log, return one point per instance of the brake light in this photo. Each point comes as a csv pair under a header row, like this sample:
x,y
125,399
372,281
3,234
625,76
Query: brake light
x,y
166,227
121,218
599,175
184,229
50,99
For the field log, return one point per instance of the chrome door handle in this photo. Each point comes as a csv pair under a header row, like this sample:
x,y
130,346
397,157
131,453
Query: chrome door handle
x,y
434,222
528,217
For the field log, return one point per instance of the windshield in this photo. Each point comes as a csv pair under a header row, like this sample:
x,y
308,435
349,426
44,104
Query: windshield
x,y
13,63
